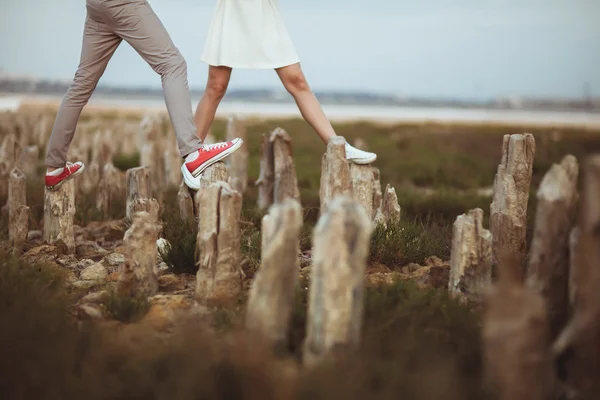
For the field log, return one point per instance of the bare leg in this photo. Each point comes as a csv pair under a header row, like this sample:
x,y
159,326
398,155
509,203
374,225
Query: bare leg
x,y
295,83
216,86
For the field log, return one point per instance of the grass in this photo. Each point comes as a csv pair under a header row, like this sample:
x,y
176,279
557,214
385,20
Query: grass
x,y
126,308
181,234
409,241
411,337
124,162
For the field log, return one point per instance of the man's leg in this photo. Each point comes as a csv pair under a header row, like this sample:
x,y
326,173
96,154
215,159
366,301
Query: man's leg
x,y
98,47
150,39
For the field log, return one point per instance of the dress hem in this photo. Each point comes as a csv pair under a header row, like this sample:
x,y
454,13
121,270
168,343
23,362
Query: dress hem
x,y
251,66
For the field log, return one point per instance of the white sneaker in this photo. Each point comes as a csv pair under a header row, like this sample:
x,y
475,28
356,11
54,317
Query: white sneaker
x,y
359,156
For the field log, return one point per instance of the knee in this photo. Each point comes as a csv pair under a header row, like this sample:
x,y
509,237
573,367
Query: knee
x,y
296,83
82,87
216,88
173,65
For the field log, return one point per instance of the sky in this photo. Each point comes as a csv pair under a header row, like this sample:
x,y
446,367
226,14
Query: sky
x,y
469,49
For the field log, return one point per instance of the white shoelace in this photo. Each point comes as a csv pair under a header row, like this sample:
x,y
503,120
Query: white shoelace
x,y
68,166
214,146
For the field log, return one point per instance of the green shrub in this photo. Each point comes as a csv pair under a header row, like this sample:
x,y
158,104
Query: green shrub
x,y
126,308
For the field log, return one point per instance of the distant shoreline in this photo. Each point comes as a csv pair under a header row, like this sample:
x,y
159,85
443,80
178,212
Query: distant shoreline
x,y
338,113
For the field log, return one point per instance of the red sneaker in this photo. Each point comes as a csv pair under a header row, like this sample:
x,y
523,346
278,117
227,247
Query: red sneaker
x,y
70,170
209,154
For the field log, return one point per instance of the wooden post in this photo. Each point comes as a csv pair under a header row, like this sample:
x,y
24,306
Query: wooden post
x,y
335,310
237,163
286,182
17,197
138,186
151,150
185,202
272,294
266,180
508,219
59,212
363,186
335,172
377,193
111,188
20,221
471,256
580,336
137,275
548,271
517,358
218,244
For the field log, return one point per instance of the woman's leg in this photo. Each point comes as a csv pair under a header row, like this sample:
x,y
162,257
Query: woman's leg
x,y
295,83
216,86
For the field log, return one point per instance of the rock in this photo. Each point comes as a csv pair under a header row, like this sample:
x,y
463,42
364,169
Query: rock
x,y
96,272
42,254
170,283
412,267
90,250
67,261
82,264
87,311
162,269
432,276
113,277
96,297
34,235
86,285
434,261
114,259
162,245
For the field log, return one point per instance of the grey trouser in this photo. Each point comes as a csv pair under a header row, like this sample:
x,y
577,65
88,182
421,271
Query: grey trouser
x,y
108,23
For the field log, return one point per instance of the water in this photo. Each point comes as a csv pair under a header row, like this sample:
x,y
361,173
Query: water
x,y
345,113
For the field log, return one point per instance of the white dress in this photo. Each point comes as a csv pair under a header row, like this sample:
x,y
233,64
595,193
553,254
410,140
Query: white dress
x,y
248,34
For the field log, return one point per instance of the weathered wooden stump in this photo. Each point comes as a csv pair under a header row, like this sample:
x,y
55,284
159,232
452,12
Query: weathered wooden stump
x,y
17,197
102,149
508,218
335,172
20,228
574,260
237,163
377,192
335,310
390,211
137,275
28,160
286,182
152,150
272,294
277,180
517,358
363,186
218,245
59,212
215,173
111,188
150,206
172,162
185,202
138,187
580,336
471,257
266,180
9,154
548,270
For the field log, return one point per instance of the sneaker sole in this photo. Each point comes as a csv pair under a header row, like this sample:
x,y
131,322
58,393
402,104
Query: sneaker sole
x,y
187,178
59,184
363,161
221,156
